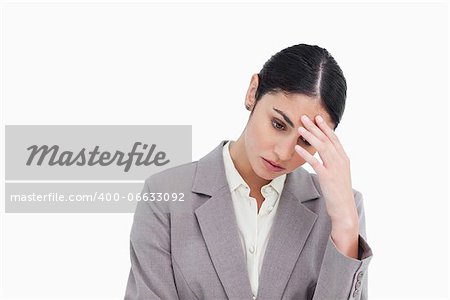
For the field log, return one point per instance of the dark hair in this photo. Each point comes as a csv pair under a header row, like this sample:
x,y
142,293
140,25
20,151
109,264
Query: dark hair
x,y
308,70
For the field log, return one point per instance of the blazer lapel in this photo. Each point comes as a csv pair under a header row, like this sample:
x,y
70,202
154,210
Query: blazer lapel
x,y
289,233
218,225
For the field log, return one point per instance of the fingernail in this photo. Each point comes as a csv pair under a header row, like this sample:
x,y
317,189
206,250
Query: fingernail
x,y
319,119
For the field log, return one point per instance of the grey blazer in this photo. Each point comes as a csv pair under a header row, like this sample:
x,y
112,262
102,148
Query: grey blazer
x,y
191,249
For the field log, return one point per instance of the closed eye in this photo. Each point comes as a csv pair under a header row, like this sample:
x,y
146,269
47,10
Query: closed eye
x,y
278,125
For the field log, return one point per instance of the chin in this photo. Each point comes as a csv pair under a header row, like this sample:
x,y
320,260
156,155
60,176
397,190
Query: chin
x,y
267,175
261,172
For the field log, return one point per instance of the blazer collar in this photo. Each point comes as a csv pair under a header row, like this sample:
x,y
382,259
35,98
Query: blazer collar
x,y
218,225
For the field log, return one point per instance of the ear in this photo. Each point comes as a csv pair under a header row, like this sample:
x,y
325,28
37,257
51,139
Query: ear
x,y
251,92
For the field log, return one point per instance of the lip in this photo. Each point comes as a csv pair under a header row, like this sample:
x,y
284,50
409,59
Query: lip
x,y
271,166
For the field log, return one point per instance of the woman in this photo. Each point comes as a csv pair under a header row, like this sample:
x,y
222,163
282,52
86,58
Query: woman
x,y
254,224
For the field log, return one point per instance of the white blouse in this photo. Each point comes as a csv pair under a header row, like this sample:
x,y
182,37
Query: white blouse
x,y
254,227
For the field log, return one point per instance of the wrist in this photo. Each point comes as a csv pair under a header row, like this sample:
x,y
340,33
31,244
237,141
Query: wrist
x,y
346,236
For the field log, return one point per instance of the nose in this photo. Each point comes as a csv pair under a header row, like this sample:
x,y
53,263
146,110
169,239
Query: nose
x,y
285,148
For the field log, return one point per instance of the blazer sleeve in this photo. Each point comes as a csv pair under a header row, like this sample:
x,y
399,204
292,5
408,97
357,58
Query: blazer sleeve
x,y
343,277
151,274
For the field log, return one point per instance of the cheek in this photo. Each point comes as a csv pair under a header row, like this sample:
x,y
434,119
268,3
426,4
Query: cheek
x,y
258,137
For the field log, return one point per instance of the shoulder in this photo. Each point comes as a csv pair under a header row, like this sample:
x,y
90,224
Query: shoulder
x,y
182,175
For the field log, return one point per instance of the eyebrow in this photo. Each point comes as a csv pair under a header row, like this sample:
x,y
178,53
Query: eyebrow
x,y
286,118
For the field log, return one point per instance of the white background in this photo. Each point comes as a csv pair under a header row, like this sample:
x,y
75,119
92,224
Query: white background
x,y
121,63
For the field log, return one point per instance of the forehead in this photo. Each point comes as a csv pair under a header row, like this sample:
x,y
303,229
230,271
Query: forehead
x,y
296,105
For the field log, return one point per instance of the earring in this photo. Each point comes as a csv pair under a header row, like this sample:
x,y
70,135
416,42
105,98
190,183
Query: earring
x,y
247,106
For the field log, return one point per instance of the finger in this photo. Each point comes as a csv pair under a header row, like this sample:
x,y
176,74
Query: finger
x,y
330,134
326,150
313,140
317,166
309,124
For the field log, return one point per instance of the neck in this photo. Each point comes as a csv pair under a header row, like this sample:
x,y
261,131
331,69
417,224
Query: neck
x,y
243,166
